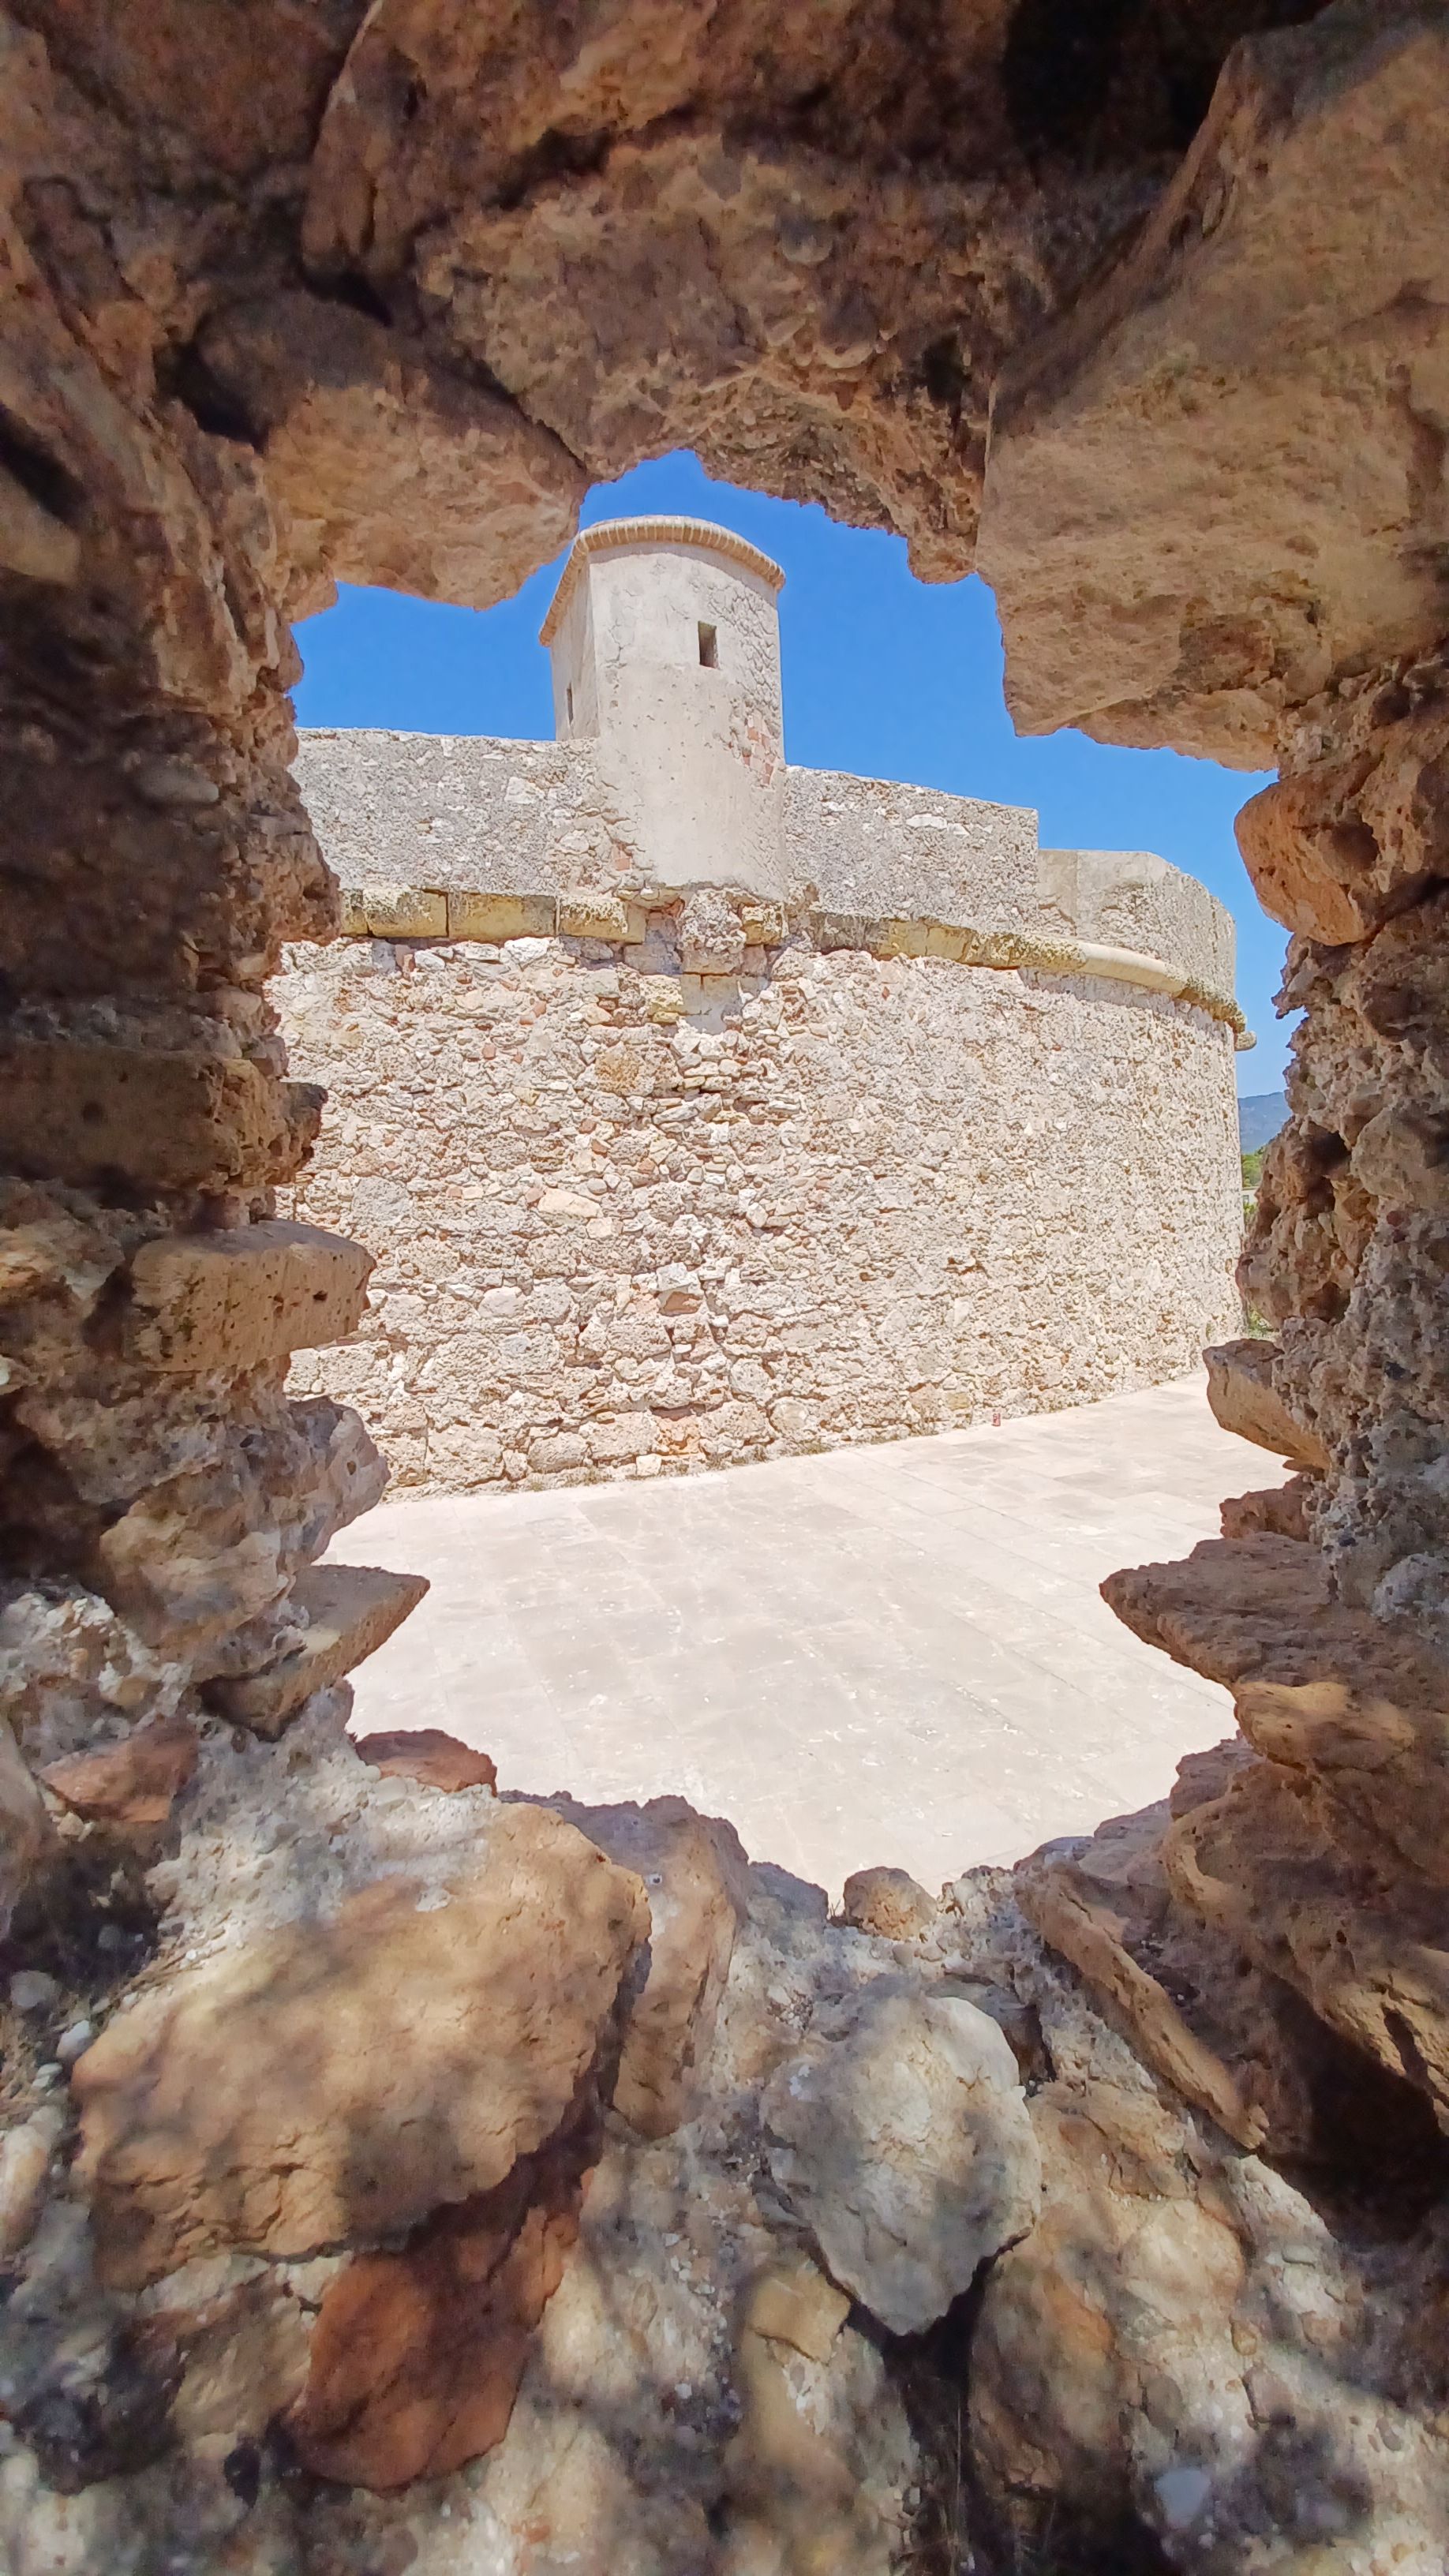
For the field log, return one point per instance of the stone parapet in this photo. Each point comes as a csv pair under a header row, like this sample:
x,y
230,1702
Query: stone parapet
x,y
427,913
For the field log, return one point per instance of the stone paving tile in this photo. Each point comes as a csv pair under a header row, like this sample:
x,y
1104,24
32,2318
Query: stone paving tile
x,y
887,1654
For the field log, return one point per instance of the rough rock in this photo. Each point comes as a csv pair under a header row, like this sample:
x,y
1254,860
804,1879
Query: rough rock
x,y
1368,1951
428,1754
345,1612
133,1785
693,1872
1355,1704
1244,1399
1177,552
1058,1902
1278,1511
25,2154
27,1837
905,2147
887,1901
238,1298
338,2079
416,2358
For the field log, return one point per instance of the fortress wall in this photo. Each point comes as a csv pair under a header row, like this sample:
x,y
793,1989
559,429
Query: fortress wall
x,y
1133,899
638,1222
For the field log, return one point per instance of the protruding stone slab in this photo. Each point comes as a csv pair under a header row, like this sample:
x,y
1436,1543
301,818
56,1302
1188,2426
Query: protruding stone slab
x,y
1359,1705
350,1610
1244,1399
237,1299
336,2080
1056,1901
100,1114
428,1755
496,917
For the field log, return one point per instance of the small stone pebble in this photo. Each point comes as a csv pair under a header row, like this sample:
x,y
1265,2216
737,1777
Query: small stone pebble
x,y
31,1990
74,2042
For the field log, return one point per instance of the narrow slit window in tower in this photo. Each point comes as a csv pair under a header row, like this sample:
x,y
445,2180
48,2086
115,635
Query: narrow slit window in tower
x,y
569,693
708,647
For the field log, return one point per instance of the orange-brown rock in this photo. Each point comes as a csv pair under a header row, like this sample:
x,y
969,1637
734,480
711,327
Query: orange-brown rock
x,y
889,1902
693,1872
132,1785
426,1753
1369,1950
102,1114
1278,1511
334,2080
1309,860
1060,1903
1244,1399
417,2355
1359,1706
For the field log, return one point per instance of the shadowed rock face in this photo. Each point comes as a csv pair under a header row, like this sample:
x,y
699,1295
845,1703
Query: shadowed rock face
x,y
1149,296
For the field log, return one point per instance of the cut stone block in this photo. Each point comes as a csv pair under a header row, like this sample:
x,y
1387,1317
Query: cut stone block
x,y
585,915
1244,1399
405,912
495,917
351,1611
100,1114
236,1299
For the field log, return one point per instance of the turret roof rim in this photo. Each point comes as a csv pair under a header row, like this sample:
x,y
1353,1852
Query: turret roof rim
x,y
608,533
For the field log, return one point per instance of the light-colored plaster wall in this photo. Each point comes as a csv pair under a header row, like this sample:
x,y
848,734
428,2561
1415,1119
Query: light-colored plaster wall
x,y
687,758
634,1222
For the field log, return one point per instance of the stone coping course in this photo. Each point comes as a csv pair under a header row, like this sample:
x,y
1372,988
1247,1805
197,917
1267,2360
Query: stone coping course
x,y
424,913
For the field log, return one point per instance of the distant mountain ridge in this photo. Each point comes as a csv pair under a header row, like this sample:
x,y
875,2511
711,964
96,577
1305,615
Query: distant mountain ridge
x,y
1260,1118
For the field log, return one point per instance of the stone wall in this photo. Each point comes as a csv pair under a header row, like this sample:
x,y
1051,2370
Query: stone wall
x,y
632,1222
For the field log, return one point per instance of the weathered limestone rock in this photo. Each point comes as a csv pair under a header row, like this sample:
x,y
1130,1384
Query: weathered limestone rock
x,y
26,1834
1178,550
238,1299
339,2079
693,1871
1369,1952
1355,1704
1244,1399
131,1786
887,1901
346,1612
98,1115
1059,1904
426,1753
905,2147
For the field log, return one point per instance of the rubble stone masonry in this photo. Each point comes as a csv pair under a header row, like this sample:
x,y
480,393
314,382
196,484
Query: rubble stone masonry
x,y
632,1219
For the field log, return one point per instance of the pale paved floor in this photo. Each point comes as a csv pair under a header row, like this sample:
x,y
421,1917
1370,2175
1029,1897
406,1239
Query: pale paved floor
x,y
884,1654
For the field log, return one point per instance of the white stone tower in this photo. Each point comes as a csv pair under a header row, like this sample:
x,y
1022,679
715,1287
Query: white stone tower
x,y
665,642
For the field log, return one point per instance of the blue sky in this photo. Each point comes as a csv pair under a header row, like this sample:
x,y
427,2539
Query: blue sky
x,y
883,674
